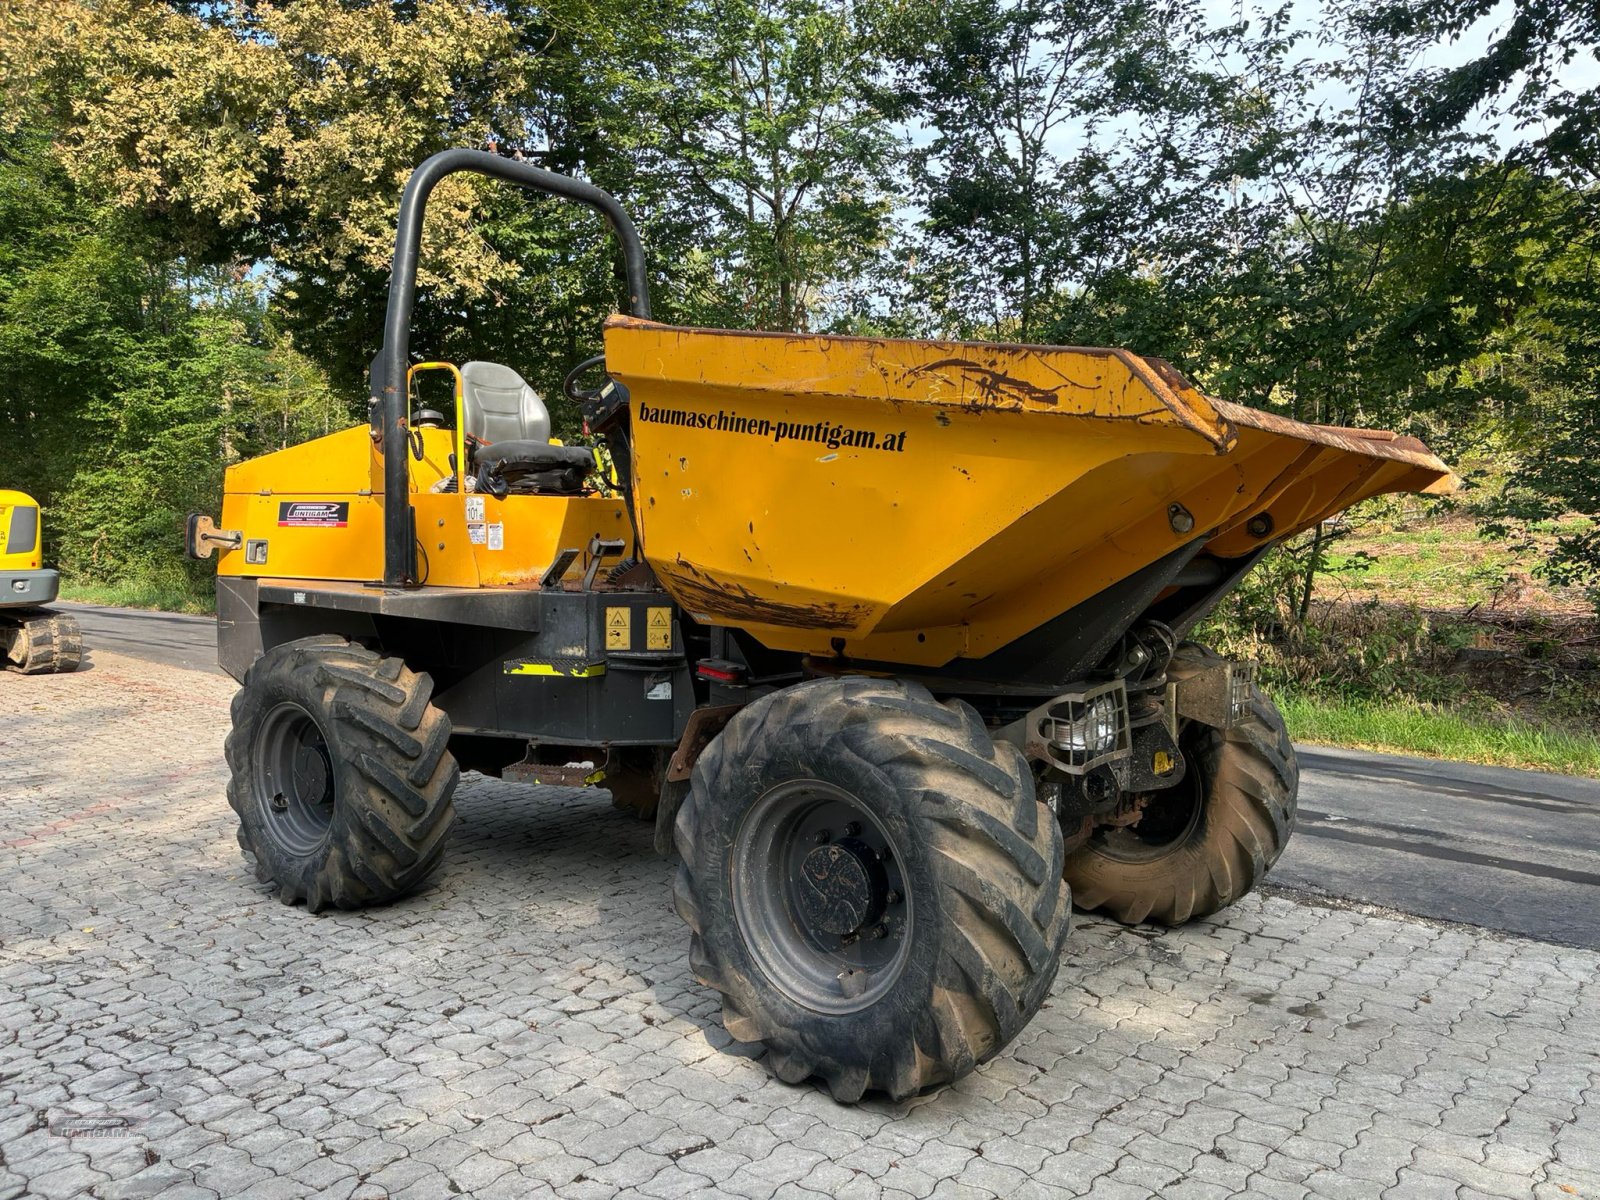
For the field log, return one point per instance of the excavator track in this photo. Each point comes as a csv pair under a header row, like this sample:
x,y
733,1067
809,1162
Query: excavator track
x,y
38,641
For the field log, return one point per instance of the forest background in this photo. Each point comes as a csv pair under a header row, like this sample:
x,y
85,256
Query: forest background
x,y
1359,212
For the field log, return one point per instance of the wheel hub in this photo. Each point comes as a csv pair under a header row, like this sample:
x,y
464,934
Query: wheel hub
x,y
821,896
294,782
310,771
843,887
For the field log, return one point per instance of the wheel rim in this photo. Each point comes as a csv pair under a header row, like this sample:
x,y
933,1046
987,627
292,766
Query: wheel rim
x,y
820,896
294,779
1170,817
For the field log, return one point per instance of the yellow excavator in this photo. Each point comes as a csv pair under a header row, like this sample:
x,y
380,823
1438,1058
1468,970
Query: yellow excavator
x,y
34,640
891,639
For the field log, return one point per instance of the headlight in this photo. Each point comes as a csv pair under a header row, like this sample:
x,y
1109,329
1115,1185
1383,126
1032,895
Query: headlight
x,y
1093,732
1241,686
1079,730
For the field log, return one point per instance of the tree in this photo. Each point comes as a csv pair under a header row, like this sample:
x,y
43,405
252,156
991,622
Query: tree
x,y
129,379
274,132
1060,137
771,116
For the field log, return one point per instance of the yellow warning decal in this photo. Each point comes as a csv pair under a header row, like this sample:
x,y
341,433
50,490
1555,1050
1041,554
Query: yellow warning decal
x,y
619,629
658,629
1162,763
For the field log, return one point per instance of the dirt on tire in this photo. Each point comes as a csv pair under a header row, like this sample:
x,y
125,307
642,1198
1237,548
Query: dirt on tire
x,y
393,776
40,642
1250,781
982,861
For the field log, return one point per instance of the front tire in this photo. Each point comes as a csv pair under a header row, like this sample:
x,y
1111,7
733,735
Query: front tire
x,y
871,885
1208,841
341,775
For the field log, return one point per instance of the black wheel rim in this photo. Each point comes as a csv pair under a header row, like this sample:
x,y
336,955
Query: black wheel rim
x,y
1170,817
294,779
820,896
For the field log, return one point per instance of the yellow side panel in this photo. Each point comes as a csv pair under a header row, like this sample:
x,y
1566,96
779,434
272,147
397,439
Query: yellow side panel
x,y
319,508
344,463
472,541
343,471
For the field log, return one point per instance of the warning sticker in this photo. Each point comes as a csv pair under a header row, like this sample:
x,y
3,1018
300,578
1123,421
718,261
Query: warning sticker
x,y
658,629
317,514
619,628
474,508
476,534
497,536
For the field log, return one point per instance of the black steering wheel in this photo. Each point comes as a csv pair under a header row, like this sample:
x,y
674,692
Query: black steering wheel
x,y
569,385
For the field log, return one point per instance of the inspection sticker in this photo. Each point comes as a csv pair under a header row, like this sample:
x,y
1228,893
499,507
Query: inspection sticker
x,y
497,536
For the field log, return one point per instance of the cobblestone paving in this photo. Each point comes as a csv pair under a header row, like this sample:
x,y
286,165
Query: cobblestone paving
x,y
528,1026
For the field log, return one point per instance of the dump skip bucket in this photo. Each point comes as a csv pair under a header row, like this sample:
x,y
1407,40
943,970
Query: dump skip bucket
x,y
916,502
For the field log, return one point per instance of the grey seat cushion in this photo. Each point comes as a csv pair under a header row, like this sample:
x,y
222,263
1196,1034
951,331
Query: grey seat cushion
x,y
499,406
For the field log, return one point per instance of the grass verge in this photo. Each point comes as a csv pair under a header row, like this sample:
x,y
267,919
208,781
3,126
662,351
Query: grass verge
x,y
1411,728
139,593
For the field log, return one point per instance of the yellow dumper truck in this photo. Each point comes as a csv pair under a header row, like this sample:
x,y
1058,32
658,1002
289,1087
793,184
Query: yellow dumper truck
x,y
34,639
889,638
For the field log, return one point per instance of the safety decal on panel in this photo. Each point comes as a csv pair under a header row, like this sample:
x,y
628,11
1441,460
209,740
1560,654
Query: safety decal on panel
x,y
497,536
619,628
658,629
474,508
314,514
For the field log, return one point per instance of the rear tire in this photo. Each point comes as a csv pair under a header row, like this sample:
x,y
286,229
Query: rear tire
x,y
870,884
41,642
1208,841
341,774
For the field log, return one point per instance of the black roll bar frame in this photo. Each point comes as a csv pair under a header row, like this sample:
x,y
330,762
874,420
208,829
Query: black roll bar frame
x,y
388,391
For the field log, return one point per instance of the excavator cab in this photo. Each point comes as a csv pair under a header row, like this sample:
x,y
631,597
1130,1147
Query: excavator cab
x,y
34,639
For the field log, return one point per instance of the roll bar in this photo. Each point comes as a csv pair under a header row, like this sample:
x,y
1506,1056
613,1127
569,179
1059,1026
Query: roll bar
x,y
389,368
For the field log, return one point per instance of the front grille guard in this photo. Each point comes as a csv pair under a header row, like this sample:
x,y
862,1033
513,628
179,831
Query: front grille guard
x,y
1079,731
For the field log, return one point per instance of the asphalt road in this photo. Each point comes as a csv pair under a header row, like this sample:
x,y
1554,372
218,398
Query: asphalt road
x,y
1517,851
173,639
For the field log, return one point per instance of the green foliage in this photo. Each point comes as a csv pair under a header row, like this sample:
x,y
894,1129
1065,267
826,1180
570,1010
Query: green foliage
x,y
129,379
771,119
164,589
1059,137
1465,736
196,208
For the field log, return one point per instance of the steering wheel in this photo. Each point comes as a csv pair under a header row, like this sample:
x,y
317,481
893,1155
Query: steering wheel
x,y
569,385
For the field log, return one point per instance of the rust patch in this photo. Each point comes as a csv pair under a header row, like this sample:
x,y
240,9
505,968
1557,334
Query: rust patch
x,y
704,724
699,592
995,388
530,770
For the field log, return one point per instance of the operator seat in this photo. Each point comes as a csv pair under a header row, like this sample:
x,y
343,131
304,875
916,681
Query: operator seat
x,y
512,427
500,407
